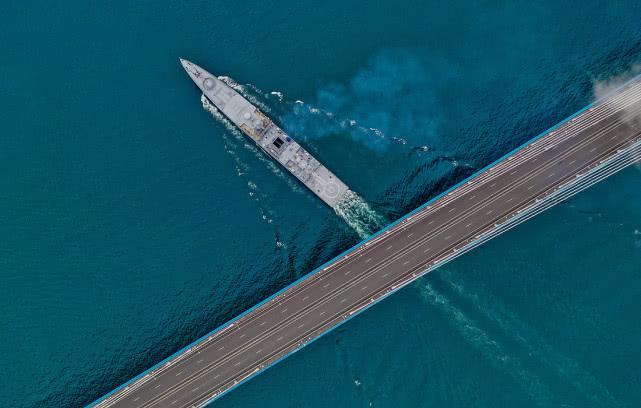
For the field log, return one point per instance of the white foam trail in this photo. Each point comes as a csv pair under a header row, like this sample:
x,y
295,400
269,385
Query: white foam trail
x,y
313,126
277,94
536,346
359,215
491,349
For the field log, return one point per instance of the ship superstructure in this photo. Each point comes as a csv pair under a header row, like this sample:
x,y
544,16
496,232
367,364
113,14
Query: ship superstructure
x,y
269,137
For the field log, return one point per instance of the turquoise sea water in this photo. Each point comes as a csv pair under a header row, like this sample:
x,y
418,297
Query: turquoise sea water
x,y
132,222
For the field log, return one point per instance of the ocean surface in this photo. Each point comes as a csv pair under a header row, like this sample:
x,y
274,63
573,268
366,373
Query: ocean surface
x,y
133,222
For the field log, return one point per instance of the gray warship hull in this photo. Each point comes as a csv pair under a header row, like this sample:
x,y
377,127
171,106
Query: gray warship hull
x,y
269,137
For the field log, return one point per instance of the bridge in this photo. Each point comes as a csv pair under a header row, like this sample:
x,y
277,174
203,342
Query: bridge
x,y
596,142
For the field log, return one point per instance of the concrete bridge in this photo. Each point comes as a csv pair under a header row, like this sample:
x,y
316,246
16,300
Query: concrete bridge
x,y
593,144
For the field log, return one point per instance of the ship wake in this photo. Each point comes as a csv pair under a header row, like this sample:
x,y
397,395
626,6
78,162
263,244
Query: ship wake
x,y
491,348
534,345
359,215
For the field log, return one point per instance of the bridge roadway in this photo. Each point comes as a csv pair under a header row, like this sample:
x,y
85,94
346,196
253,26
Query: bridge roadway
x,y
419,243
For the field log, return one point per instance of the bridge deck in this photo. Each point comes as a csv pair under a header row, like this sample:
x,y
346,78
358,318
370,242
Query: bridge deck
x,y
449,226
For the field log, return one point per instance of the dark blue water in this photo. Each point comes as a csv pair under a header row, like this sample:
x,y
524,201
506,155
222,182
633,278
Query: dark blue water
x,y
132,222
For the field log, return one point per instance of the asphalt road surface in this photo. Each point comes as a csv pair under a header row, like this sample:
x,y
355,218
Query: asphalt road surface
x,y
421,242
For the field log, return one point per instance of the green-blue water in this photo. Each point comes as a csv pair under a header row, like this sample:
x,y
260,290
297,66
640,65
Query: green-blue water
x,y
132,222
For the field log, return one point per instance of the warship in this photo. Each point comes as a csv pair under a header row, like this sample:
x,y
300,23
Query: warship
x,y
269,137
